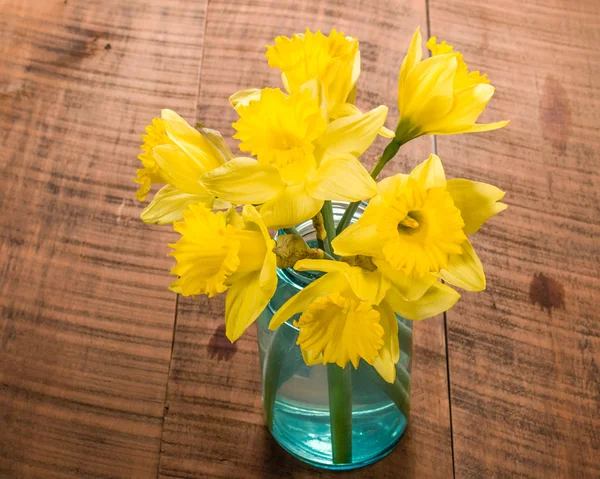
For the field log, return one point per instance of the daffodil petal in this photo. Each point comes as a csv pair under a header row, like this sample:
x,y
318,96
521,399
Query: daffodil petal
x,y
317,90
358,238
345,109
430,173
370,286
389,354
244,180
438,298
480,127
411,287
310,359
468,104
169,204
246,299
341,178
243,97
353,134
386,132
215,139
349,109
465,270
181,170
389,188
428,91
366,285
323,265
290,207
345,329
412,58
191,141
476,201
300,301
268,273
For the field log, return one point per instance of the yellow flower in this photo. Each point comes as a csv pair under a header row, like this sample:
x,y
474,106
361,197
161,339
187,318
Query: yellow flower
x,y
342,320
439,95
334,61
177,155
225,251
303,158
348,314
416,229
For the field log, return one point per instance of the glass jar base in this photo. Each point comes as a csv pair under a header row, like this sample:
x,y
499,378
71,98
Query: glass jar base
x,y
306,434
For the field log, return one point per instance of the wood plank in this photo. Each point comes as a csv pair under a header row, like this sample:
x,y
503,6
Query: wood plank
x,y
214,426
524,355
85,317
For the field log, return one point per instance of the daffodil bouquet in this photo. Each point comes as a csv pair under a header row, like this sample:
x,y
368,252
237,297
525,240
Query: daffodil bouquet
x,y
396,257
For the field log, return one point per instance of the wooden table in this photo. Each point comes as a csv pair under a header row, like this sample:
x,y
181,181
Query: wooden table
x,y
104,373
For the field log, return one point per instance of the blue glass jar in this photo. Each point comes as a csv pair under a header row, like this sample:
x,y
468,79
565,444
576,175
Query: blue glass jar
x,y
296,396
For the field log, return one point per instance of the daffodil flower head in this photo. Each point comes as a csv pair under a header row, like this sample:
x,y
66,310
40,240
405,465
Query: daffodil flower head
x,y
177,155
344,317
281,130
156,134
303,158
420,227
416,229
439,95
225,251
333,60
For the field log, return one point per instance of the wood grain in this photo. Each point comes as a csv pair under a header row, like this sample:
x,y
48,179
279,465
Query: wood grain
x,y
214,426
85,317
525,355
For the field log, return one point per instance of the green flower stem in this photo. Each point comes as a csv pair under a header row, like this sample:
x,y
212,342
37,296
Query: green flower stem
x,y
405,338
272,372
403,376
327,212
340,412
390,151
282,360
398,391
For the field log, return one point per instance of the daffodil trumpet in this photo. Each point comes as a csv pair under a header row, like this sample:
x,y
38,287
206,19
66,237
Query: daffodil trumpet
x,y
303,147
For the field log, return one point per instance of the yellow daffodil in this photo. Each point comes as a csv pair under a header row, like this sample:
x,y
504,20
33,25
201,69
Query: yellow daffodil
x,y
342,318
348,314
177,155
416,230
225,251
439,95
334,61
303,158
